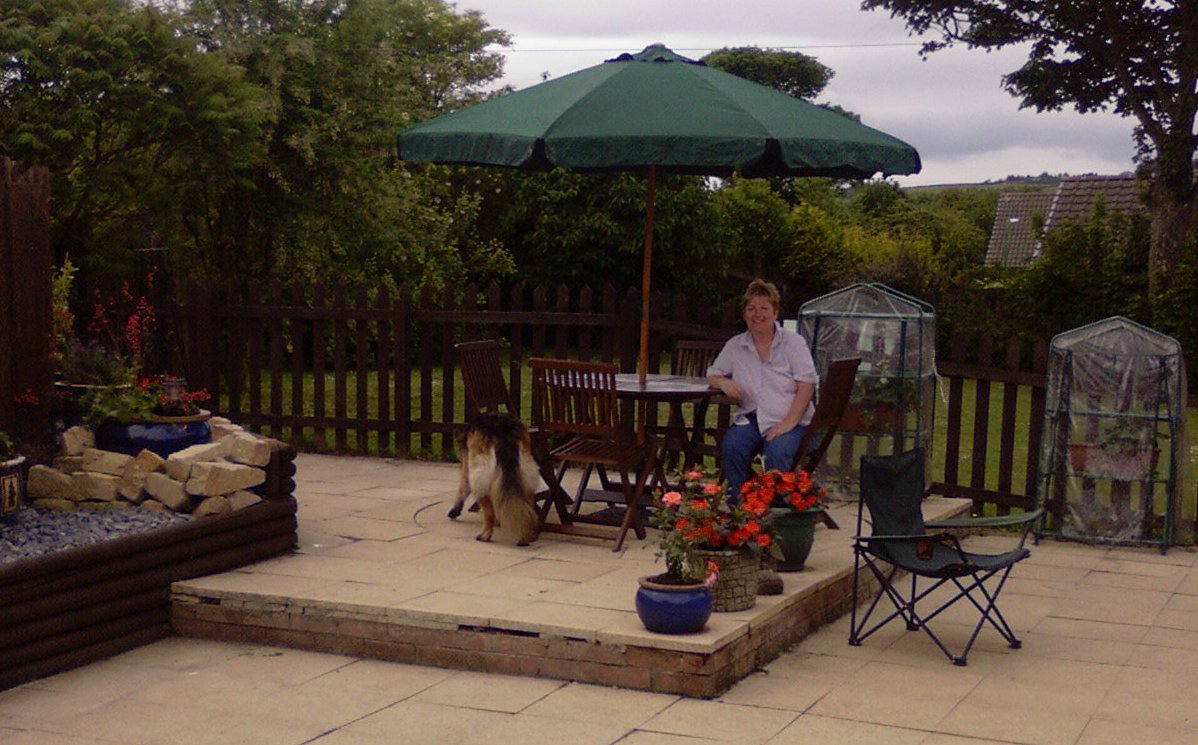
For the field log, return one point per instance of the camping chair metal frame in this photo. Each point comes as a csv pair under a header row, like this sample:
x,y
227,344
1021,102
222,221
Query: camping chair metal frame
x,y
575,408
937,557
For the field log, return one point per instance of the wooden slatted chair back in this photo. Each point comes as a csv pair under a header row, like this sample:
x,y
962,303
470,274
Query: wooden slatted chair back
x,y
692,357
482,378
575,398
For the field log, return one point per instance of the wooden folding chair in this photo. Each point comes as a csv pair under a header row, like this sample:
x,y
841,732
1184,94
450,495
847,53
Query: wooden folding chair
x,y
487,391
574,406
482,378
834,392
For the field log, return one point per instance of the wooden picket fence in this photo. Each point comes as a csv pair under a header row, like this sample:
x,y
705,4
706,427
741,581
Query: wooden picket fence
x,y
25,328
377,374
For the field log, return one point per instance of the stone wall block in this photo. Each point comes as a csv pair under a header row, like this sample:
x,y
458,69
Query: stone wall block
x,y
223,428
248,449
179,464
168,491
239,500
214,478
77,439
95,487
212,506
133,479
147,461
57,505
47,483
105,461
68,463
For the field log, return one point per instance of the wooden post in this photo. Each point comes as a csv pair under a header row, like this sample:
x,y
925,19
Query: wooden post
x,y
25,325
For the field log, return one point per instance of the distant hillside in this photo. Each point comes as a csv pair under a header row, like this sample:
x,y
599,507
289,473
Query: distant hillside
x,y
1043,182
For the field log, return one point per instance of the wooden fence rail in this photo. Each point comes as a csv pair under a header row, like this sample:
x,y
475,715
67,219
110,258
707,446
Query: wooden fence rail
x,y
368,370
271,353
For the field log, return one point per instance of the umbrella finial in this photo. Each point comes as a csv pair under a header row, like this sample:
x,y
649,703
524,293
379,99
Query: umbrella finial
x,y
655,52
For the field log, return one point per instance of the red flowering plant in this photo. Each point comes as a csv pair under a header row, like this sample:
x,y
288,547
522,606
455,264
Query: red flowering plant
x,y
119,333
698,516
793,490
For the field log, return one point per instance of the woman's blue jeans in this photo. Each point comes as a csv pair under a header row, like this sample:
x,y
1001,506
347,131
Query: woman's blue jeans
x,y
743,441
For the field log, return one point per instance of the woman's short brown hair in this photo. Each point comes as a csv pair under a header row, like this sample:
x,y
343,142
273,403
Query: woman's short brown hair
x,y
760,288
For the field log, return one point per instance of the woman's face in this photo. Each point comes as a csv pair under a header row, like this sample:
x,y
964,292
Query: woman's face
x,y
760,314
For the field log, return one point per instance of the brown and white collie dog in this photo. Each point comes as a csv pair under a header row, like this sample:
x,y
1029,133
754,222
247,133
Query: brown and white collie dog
x,y
499,470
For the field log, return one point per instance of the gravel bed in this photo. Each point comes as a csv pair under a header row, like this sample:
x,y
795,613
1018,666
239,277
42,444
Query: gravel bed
x,y
35,532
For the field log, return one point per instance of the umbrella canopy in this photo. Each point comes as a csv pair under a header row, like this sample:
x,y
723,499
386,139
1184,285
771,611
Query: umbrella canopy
x,y
658,110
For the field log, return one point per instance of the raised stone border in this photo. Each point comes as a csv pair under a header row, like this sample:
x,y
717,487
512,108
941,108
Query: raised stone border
x,y
678,665
206,479
83,604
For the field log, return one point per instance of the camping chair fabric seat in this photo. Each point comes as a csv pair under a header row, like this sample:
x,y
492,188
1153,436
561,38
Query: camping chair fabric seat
x,y
892,491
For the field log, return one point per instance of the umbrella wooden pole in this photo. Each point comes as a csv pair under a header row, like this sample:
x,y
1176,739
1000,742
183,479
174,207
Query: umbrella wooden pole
x,y
646,271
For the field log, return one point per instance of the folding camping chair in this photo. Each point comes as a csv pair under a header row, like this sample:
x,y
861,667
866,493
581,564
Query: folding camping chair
x,y
892,489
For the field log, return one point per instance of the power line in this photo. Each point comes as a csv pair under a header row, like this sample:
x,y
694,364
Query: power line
x,y
614,50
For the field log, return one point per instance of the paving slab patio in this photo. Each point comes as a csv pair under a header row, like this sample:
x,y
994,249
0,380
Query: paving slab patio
x,y
1095,668
382,570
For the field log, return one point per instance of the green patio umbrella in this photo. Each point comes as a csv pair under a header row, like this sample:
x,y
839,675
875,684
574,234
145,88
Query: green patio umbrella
x,y
657,110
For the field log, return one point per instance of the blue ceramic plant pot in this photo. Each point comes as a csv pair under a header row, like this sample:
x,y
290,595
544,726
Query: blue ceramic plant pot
x,y
670,608
160,437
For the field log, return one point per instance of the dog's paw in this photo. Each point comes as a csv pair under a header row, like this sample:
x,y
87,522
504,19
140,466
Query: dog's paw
x,y
483,538
455,511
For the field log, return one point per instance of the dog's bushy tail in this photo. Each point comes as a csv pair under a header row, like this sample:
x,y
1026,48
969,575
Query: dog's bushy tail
x,y
518,515
512,505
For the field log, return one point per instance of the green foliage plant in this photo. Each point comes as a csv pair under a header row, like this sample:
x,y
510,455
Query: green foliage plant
x,y
92,363
794,73
7,448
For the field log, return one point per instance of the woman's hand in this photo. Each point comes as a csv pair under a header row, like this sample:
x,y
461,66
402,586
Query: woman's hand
x,y
777,430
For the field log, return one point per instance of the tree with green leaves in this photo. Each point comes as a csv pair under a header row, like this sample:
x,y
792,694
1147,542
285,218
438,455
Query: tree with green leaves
x,y
793,73
1139,59
138,129
340,80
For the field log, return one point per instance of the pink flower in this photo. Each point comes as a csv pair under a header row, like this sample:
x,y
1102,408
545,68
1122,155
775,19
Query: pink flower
x,y
671,499
711,488
694,475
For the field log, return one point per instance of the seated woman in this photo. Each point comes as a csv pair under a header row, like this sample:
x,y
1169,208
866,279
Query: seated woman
x,y
769,371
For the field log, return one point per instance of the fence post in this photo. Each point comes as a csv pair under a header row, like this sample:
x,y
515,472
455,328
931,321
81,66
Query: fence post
x,y
25,326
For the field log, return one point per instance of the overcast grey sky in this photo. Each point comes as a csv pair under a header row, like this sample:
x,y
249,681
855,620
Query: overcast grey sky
x,y
951,107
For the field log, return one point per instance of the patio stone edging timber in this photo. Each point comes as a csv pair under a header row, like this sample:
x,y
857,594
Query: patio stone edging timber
x,y
700,666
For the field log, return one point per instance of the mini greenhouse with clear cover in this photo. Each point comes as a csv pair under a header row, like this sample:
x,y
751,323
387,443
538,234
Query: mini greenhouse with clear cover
x,y
892,406
1114,445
